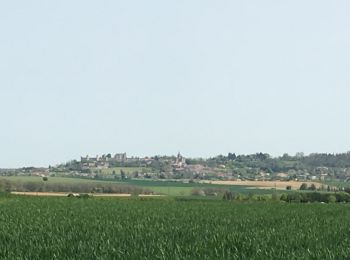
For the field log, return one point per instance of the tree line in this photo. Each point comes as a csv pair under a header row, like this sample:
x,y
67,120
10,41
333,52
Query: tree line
x,y
8,186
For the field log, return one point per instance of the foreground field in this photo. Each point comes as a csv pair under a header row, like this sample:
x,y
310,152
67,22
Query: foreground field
x,y
115,228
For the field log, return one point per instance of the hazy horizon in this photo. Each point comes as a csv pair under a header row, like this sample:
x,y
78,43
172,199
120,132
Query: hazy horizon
x,y
153,155
157,77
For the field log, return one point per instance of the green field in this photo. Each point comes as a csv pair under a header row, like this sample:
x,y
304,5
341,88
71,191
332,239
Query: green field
x,y
96,228
51,179
172,188
178,188
128,170
338,184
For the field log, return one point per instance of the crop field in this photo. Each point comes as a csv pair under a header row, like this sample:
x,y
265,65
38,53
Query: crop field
x,y
23,179
171,188
163,228
179,188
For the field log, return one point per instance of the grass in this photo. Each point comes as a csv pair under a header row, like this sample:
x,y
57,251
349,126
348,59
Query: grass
x,y
128,170
172,188
70,228
179,188
338,184
50,179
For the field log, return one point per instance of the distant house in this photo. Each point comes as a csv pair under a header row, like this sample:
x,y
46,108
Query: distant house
x,y
97,161
313,177
321,170
304,176
282,175
323,176
120,157
102,161
88,161
180,162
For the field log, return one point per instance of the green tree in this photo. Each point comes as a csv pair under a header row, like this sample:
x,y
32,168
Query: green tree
x,y
231,156
228,195
312,187
303,186
122,175
331,199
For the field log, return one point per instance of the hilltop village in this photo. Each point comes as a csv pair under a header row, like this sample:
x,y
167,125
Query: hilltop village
x,y
259,166
136,167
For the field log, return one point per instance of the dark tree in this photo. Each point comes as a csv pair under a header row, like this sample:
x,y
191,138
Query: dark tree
x,y
312,187
303,186
231,156
122,175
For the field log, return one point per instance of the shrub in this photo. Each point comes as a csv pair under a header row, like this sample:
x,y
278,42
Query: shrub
x,y
84,195
72,195
342,197
294,197
283,197
331,199
275,196
312,187
228,195
303,186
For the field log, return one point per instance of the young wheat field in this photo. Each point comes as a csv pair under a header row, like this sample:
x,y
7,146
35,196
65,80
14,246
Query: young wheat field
x,y
134,228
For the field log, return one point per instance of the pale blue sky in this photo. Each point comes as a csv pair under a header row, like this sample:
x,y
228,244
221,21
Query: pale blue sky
x,y
158,77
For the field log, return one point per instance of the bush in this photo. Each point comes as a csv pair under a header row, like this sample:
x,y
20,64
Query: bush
x,y
84,195
72,195
331,199
312,187
305,197
228,195
293,197
5,186
342,197
283,197
263,197
275,196
303,186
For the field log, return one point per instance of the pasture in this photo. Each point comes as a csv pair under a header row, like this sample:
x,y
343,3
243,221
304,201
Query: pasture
x,y
166,187
164,228
23,179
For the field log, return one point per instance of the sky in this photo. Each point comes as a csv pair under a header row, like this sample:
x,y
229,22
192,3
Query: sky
x,y
157,77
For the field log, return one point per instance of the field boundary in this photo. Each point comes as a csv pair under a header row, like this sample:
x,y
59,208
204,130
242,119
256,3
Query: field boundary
x,y
65,194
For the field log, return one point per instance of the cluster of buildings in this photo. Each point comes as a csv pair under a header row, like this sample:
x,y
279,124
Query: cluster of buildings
x,y
105,161
180,162
102,161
